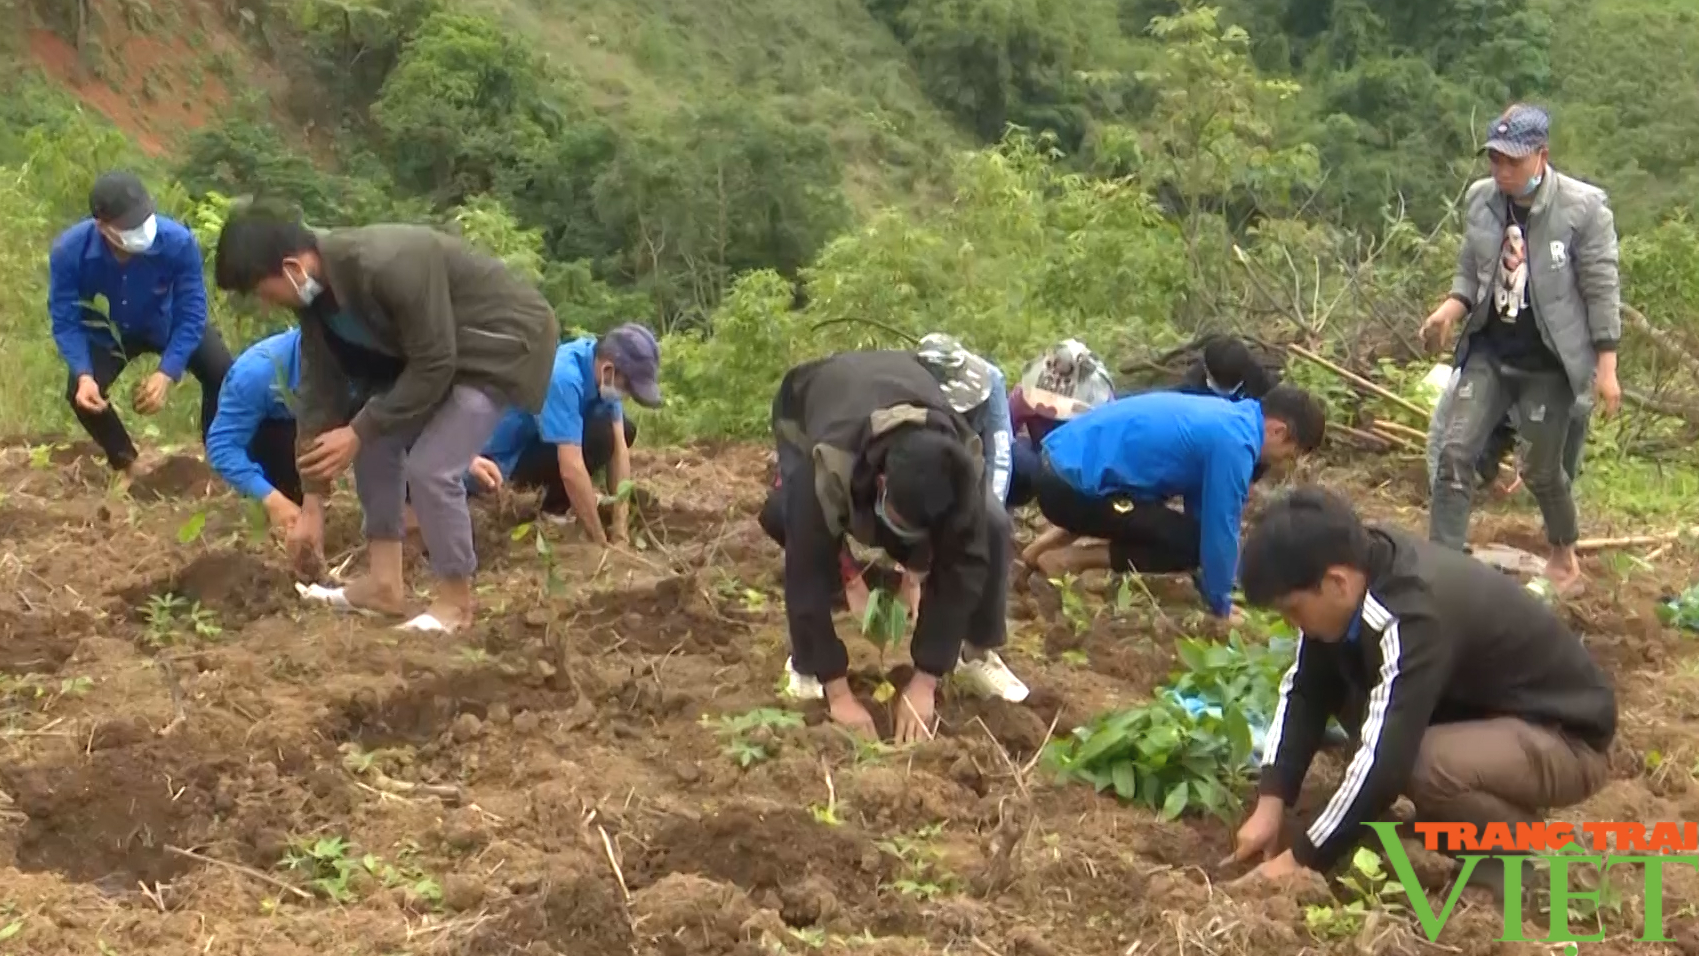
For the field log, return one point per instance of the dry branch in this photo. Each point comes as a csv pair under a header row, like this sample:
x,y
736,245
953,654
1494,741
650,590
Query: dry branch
x,y
1630,541
1359,381
245,871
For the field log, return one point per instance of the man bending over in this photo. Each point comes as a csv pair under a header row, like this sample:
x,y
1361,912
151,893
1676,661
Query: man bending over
x,y
1109,474
869,448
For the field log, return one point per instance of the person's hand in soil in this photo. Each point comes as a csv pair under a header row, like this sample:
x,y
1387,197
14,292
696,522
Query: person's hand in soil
x,y
486,473
89,398
281,512
1259,835
1278,868
150,393
304,542
915,706
846,711
330,454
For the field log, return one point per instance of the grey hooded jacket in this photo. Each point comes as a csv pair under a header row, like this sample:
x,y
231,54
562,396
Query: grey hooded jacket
x,y
1572,270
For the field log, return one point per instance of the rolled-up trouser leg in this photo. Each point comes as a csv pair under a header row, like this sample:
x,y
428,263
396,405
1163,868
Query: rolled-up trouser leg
x,y
433,469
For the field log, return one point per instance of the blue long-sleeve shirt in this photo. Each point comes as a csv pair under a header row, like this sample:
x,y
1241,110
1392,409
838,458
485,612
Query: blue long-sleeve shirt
x,y
157,297
253,393
997,432
1159,445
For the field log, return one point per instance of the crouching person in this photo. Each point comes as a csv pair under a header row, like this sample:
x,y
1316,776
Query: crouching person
x,y
581,430
869,447
438,340
251,444
1461,689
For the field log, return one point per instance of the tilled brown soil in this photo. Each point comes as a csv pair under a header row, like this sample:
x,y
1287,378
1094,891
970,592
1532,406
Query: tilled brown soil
x,y
552,782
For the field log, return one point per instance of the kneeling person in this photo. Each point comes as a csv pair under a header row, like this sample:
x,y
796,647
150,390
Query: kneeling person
x,y
1109,473
581,430
1463,690
869,447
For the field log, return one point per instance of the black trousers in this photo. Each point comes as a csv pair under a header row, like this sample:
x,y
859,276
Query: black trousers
x,y
209,363
1023,471
273,449
1146,537
988,625
539,464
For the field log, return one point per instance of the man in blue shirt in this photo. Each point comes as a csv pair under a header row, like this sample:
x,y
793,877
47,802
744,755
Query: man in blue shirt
x,y
582,428
1109,473
251,443
148,269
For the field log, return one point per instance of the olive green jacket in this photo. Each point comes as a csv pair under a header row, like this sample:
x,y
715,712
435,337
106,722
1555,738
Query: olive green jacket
x,y
450,314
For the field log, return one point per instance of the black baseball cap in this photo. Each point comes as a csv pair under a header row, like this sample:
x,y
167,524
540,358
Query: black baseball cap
x,y
120,200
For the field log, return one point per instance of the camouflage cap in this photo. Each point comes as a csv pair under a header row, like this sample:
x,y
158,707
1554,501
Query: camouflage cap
x,y
964,376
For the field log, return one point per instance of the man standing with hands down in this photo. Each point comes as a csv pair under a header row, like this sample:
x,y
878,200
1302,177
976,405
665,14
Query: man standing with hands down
x,y
1460,688
437,340
1537,281
869,446
148,269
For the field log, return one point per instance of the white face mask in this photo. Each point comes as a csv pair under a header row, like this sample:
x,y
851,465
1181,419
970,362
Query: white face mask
x,y
139,239
610,392
307,288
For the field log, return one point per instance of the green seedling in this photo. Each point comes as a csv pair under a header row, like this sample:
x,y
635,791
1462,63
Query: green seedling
x,y
923,875
885,623
753,736
170,616
1369,887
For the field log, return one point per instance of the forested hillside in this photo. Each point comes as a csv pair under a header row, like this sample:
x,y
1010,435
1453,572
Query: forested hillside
x,y
1125,170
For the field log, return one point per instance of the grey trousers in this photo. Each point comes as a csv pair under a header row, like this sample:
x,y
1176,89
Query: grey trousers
x,y
428,464
1544,405
1573,446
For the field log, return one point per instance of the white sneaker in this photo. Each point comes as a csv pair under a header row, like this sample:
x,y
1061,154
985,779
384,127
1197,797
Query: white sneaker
x,y
800,686
990,677
560,520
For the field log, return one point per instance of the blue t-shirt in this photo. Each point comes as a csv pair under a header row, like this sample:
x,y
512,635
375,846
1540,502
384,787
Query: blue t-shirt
x,y
574,397
1160,445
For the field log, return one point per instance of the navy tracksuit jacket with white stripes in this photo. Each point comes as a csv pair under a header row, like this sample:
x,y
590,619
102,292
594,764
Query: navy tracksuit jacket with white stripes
x,y
1440,638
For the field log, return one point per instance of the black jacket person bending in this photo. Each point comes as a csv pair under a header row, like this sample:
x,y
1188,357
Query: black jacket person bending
x,y
869,447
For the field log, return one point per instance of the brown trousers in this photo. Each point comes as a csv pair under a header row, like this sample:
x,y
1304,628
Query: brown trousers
x,y
1503,770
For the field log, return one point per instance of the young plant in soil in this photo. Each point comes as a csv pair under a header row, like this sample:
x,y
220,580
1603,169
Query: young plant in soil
x,y
170,616
1369,887
332,869
1161,756
885,623
923,876
753,736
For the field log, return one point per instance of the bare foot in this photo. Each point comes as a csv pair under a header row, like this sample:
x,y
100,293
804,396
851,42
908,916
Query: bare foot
x,y
451,615
369,593
1563,570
